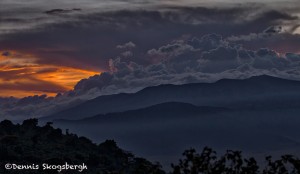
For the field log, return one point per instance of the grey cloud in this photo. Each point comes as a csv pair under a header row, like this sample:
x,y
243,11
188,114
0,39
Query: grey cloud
x,y
281,42
98,81
268,59
32,100
127,54
268,32
292,57
128,45
173,49
194,65
35,106
207,42
219,60
273,30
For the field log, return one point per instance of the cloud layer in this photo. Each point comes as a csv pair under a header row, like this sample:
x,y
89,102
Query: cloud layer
x,y
205,59
47,48
87,38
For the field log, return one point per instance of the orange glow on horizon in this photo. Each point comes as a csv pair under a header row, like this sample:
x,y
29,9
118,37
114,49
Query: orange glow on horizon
x,y
65,76
21,76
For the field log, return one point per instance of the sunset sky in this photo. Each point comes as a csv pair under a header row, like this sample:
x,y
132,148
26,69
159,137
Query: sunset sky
x,y
22,75
48,47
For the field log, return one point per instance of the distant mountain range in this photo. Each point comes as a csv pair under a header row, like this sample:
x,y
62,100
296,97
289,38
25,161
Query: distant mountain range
x,y
169,110
259,115
256,92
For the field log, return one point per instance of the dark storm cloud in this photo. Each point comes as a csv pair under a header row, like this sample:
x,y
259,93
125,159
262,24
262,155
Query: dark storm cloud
x,y
61,11
90,40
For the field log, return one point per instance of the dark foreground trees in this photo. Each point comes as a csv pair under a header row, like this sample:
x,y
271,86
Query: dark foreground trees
x,y
233,163
28,143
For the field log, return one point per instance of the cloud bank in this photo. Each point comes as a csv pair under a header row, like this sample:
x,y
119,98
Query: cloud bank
x,y
205,59
150,43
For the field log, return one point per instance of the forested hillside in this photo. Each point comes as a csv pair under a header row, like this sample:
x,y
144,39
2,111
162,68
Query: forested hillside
x,y
28,143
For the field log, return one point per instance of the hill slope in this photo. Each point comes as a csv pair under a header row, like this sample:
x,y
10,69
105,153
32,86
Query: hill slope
x,y
255,92
169,110
31,144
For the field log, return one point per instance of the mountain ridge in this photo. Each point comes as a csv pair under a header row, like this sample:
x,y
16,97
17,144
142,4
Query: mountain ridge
x,y
223,93
163,109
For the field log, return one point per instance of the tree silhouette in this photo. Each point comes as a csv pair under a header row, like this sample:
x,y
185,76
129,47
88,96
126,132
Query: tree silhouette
x,y
232,162
29,143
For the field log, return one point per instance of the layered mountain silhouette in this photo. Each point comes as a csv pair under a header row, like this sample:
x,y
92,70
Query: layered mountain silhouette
x,y
169,110
257,115
256,92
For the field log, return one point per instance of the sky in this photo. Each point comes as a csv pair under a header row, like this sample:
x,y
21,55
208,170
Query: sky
x,y
80,49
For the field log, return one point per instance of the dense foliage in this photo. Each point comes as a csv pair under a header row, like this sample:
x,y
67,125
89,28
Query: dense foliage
x,y
232,163
28,143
